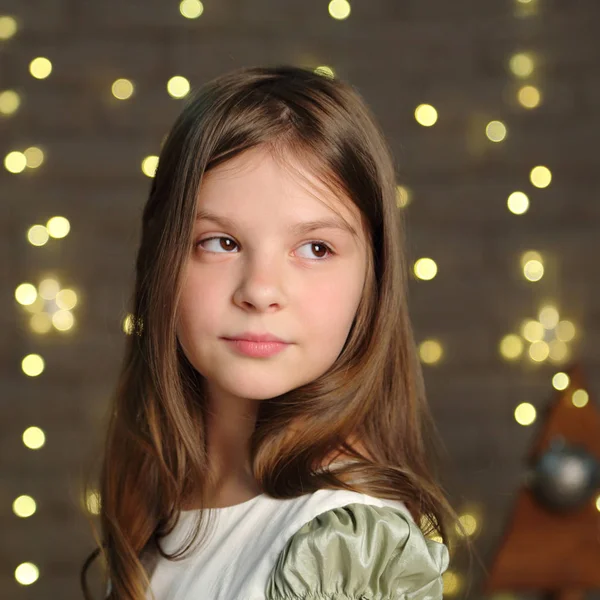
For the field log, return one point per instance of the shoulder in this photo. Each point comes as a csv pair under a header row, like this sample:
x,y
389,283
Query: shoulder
x,y
359,551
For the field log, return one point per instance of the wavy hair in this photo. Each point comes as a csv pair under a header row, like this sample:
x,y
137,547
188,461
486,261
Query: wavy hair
x,y
370,406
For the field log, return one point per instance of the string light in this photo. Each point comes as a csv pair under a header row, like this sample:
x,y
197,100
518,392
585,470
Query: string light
x,y
9,102
525,414
539,351
518,203
426,115
24,506
34,157
37,235
40,67
58,227
93,502
403,196
34,438
32,365
325,71
339,9
451,582
565,331
580,398
425,269
522,64
122,89
431,351
15,162
191,9
8,27
495,131
27,573
540,176
548,316
529,96
25,293
511,346
149,165
560,381
178,86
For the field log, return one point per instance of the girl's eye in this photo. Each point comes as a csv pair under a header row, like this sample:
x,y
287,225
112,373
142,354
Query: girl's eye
x,y
226,243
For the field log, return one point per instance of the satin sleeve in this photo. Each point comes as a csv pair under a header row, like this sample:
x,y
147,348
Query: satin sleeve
x,y
359,552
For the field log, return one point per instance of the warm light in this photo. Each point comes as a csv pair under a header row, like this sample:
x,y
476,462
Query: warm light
x,y
548,317
40,67
122,89
34,157
40,322
66,299
9,102
425,268
63,320
532,331
37,235
598,503
339,9
58,227
325,71
128,324
149,166
36,307
48,288
27,573
565,331
511,346
533,270
191,9
8,27
34,438
560,381
430,351
451,583
402,196
529,96
522,64
178,86
495,131
469,525
15,162
559,351
32,365
540,176
26,294
24,506
518,203
539,351
426,115
92,502
530,255
580,398
525,414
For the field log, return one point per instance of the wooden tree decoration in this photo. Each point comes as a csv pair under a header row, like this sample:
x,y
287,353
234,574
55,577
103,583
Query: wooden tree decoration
x,y
555,551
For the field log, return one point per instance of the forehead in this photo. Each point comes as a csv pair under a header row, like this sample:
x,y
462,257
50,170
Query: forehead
x,y
281,185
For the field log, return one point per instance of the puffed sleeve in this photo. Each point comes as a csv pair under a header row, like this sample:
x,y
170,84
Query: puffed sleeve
x,y
359,552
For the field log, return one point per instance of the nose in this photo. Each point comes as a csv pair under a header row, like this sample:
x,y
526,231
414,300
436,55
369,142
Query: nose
x,y
261,284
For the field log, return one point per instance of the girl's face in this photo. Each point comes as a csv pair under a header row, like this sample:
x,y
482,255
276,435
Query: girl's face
x,y
261,275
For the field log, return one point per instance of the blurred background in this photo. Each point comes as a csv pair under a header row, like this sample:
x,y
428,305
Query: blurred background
x,y
491,109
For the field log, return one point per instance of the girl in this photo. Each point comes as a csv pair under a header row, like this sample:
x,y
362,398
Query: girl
x,y
268,435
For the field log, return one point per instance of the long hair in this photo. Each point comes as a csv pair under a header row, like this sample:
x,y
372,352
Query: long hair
x,y
370,405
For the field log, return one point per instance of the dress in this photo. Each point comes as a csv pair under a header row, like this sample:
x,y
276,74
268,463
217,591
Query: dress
x,y
327,545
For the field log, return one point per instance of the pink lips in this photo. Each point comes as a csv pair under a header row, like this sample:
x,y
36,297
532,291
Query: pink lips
x,y
257,349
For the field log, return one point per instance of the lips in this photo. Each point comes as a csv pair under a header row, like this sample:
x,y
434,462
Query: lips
x,y
257,337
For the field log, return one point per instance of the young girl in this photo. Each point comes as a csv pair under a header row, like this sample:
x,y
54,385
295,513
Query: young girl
x,y
268,435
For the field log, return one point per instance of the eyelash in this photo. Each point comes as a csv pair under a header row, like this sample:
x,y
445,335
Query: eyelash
x,y
223,237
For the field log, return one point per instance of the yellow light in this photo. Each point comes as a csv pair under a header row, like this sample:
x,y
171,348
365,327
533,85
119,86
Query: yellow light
x,y
539,351
37,235
40,322
532,331
559,351
580,398
451,583
548,316
178,86
34,157
34,438
522,64
24,506
15,162
66,299
529,96
58,227
339,9
560,381
426,115
511,346
540,176
32,365
8,27
48,288
63,320
402,196
495,131
191,9
93,502
325,71
36,307
469,525
525,414
431,351
425,268
518,203
122,89
26,293
40,67
9,102
128,324
530,255
533,270
27,573
149,166
598,503
565,331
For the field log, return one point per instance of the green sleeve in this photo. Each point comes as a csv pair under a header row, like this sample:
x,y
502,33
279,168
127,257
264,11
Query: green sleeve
x,y
359,552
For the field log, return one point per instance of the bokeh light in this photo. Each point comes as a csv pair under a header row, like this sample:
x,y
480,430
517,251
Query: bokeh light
x,y
518,203
525,414
122,89
529,96
34,438
540,176
426,115
425,268
40,67
178,86
191,9
339,9
9,102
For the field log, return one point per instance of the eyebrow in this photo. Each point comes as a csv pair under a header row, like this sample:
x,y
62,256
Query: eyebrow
x,y
297,228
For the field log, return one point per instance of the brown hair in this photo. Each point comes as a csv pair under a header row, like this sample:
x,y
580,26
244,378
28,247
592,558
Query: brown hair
x,y
371,403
